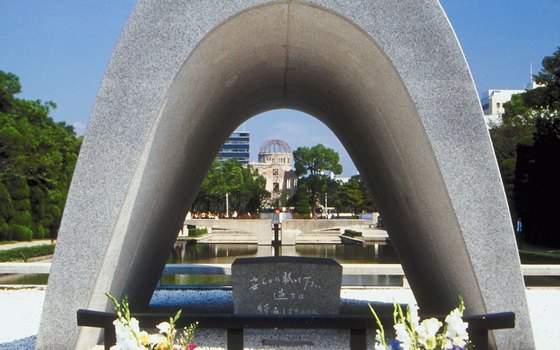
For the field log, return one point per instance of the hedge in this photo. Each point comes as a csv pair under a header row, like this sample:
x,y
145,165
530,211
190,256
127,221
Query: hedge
x,y
25,253
352,233
197,232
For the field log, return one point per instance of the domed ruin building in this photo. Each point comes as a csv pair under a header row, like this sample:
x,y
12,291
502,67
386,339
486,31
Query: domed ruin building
x,y
276,166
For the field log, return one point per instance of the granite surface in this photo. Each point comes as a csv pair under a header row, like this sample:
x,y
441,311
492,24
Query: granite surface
x,y
286,286
388,77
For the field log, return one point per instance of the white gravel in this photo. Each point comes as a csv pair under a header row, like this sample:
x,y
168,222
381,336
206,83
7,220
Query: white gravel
x,y
21,310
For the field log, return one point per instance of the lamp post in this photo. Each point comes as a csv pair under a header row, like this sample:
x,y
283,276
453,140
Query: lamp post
x,y
227,205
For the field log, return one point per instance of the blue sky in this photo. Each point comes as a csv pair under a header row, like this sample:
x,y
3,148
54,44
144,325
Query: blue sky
x,y
60,48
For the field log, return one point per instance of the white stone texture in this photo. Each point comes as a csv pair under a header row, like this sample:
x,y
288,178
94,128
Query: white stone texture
x,y
186,73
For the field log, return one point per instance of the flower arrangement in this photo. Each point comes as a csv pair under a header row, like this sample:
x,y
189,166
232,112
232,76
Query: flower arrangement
x,y
411,334
130,337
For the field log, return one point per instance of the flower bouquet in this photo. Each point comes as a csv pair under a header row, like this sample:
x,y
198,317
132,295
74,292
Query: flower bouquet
x,y
411,334
130,337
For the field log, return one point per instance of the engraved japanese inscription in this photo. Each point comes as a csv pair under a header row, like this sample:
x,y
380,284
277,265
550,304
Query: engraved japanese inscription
x,y
286,286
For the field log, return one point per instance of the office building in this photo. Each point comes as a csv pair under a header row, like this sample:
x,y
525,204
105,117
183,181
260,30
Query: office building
x,y
236,147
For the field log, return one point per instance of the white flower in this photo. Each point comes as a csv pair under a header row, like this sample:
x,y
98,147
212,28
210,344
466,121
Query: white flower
x,y
379,342
414,318
164,327
427,331
456,328
134,325
402,336
155,339
126,337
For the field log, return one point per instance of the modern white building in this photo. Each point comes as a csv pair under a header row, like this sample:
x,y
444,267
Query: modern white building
x,y
493,101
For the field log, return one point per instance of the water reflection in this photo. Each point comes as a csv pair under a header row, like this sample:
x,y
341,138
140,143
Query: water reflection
x,y
344,254
211,253
226,253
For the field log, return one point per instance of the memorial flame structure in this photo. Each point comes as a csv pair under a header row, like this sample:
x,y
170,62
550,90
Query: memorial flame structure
x,y
186,73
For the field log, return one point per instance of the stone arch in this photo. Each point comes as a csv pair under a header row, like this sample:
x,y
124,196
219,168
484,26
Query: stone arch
x,y
388,78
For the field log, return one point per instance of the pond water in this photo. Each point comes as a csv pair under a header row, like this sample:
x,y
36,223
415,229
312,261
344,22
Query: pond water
x,y
227,253
344,254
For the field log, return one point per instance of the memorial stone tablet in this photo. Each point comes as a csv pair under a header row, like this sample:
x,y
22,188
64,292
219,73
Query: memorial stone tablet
x,y
286,286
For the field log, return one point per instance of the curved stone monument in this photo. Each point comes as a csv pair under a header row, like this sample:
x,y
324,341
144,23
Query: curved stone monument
x,y
387,77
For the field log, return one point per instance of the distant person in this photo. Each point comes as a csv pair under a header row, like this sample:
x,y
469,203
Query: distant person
x,y
234,215
519,230
53,235
380,222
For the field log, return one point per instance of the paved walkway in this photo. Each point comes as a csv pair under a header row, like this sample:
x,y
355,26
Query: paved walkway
x,y
18,331
25,244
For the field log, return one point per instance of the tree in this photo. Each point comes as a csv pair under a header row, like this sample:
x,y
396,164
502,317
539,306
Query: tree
x,y
354,196
518,124
311,164
515,129
316,160
547,96
245,188
301,201
527,145
537,185
37,159
9,86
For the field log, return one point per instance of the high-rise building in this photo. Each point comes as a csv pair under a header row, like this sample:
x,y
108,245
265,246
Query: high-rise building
x,y
236,147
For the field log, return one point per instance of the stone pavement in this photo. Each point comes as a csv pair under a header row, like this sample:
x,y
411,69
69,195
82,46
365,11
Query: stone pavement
x,y
24,244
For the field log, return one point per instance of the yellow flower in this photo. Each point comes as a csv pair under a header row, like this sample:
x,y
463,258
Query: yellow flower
x,y
161,346
144,338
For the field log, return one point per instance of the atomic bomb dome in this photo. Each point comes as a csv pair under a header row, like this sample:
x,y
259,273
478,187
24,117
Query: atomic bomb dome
x,y
275,146
276,152
275,165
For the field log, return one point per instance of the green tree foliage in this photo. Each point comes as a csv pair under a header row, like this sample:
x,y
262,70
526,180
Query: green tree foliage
x,y
519,121
527,148
37,159
354,197
245,188
311,163
301,201
547,97
514,130
9,86
537,185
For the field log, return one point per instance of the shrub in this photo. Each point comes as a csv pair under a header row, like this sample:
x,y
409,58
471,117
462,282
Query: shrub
x,y
26,252
22,204
197,232
4,229
352,233
6,206
18,187
21,218
21,233
38,231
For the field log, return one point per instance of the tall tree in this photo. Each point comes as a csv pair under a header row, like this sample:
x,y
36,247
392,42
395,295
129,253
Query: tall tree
x,y
354,196
527,145
245,188
312,164
516,131
37,159
301,201
537,183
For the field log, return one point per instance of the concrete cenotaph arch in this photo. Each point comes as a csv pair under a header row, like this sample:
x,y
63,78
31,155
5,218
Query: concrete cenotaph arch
x,y
387,77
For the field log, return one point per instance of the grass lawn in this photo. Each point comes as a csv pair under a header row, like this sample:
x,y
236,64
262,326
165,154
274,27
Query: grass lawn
x,y
24,253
